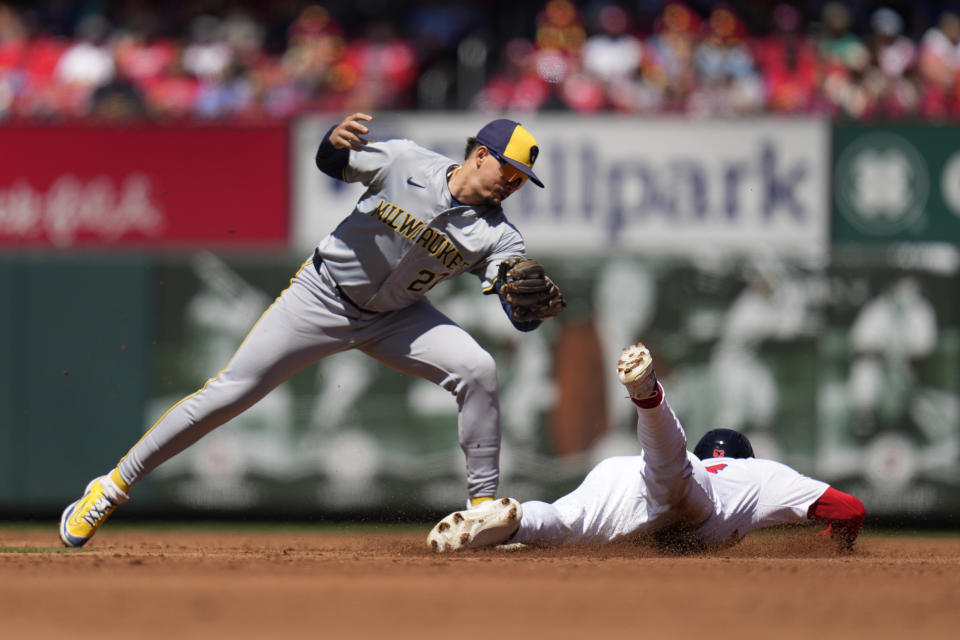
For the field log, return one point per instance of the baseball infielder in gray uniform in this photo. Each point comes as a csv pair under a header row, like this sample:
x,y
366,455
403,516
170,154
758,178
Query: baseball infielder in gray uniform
x,y
422,219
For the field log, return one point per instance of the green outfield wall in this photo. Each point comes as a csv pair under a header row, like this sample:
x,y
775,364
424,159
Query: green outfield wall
x,y
75,368
848,371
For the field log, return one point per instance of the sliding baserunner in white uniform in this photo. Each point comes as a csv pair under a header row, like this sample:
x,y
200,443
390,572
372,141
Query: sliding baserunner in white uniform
x,y
423,218
709,498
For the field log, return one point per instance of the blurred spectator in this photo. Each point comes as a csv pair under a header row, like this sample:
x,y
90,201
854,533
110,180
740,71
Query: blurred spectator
x,y
845,60
13,45
88,62
518,87
560,28
894,58
140,55
13,38
84,65
893,53
560,36
380,70
727,82
228,94
839,47
310,68
939,64
278,95
788,62
207,55
668,67
35,94
613,55
171,94
119,100
244,37
229,91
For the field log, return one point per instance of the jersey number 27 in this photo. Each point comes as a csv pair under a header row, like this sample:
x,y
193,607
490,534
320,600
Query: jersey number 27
x,y
425,280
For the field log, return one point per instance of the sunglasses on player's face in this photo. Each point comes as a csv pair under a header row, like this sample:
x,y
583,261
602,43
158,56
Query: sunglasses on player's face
x,y
514,177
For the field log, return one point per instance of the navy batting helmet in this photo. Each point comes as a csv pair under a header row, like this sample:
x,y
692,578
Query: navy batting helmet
x,y
723,443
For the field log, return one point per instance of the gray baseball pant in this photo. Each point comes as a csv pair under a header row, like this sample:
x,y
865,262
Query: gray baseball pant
x,y
310,321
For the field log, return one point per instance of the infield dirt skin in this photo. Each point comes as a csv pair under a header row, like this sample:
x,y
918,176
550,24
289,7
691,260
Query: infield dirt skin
x,y
142,583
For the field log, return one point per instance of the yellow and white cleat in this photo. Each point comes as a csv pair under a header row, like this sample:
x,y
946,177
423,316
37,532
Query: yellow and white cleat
x,y
635,372
81,519
486,525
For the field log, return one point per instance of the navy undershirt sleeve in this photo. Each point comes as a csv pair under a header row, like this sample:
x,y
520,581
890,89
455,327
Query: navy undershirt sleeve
x,y
331,160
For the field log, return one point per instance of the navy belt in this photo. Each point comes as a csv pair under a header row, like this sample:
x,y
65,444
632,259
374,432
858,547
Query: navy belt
x,y
317,261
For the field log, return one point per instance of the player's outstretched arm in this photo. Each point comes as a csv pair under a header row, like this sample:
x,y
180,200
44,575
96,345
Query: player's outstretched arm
x,y
843,514
334,151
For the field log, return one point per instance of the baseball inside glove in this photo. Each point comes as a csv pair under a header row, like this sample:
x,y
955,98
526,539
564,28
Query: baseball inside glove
x,y
527,289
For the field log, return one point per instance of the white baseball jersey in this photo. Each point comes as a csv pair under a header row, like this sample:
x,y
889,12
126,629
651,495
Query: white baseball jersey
x,y
408,232
714,503
751,493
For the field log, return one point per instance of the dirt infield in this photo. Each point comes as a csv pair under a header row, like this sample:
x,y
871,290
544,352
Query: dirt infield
x,y
383,583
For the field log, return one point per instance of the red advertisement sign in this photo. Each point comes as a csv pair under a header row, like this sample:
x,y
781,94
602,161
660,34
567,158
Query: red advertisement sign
x,y
80,186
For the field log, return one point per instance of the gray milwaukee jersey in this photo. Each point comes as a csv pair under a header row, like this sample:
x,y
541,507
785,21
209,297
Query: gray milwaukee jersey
x,y
407,232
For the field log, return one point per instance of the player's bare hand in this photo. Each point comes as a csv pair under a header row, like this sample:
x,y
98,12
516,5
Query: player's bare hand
x,y
350,132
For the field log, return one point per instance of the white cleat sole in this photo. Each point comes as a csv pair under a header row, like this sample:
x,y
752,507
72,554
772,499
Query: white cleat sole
x,y
634,363
67,539
487,525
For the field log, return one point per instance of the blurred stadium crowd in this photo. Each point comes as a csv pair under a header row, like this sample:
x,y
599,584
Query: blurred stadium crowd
x,y
221,59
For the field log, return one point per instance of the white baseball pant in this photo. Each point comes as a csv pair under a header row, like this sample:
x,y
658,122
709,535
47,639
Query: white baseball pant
x,y
626,496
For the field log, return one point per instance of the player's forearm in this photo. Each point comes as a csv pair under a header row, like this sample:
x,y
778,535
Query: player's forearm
x,y
842,513
331,160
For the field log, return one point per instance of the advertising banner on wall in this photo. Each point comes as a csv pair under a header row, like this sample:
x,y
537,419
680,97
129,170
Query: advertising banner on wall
x,y
144,186
622,184
896,184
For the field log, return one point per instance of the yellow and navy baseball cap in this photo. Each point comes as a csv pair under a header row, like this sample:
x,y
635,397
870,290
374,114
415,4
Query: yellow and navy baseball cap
x,y
511,143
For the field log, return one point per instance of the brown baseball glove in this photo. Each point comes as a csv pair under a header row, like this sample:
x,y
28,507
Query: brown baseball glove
x,y
527,289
